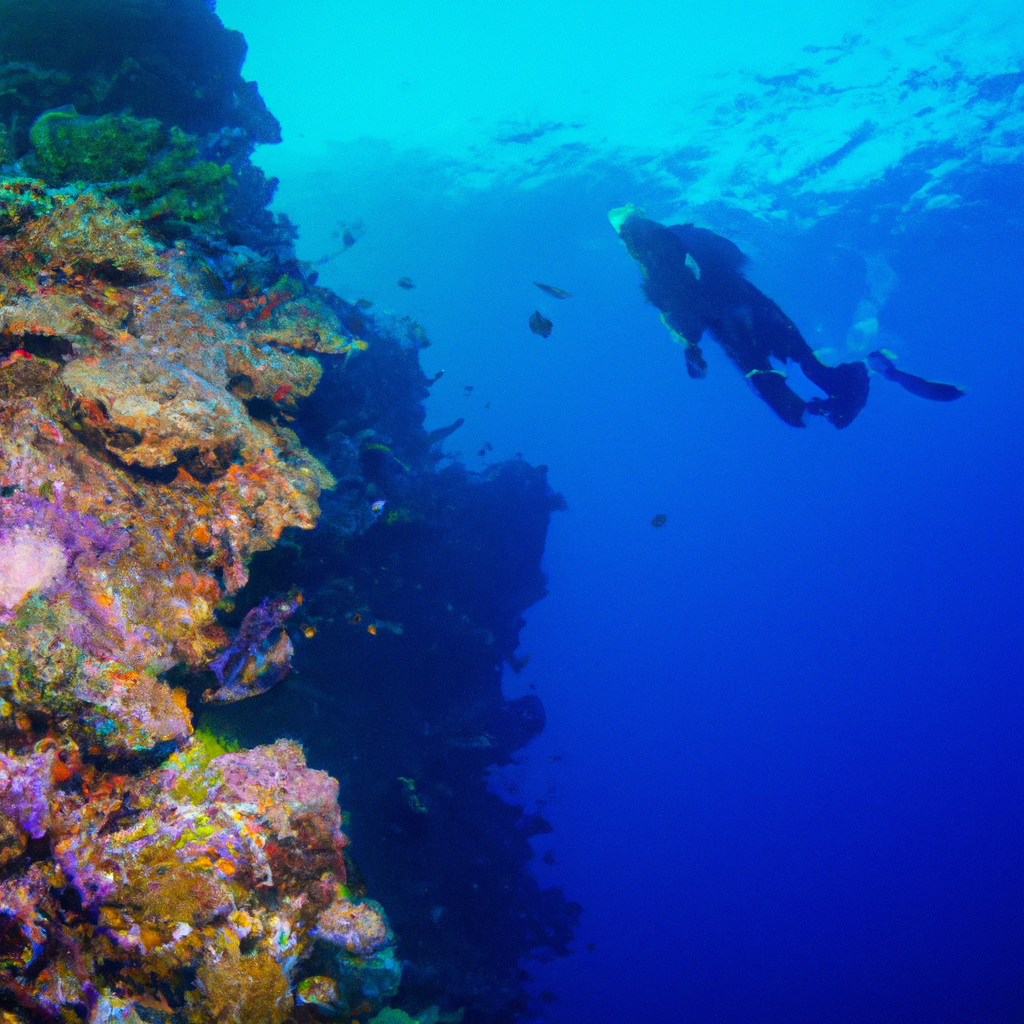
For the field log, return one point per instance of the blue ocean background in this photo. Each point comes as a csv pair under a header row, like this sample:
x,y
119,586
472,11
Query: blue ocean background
x,y
783,754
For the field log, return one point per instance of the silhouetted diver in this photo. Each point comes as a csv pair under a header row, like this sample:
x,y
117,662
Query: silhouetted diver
x,y
695,278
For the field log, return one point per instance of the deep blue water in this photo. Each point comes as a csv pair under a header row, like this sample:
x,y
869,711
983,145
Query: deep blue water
x,y
783,756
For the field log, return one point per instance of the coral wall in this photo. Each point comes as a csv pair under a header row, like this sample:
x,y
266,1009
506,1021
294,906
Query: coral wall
x,y
195,445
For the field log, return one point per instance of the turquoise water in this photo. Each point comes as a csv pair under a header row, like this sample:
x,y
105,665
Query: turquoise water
x,y
782,755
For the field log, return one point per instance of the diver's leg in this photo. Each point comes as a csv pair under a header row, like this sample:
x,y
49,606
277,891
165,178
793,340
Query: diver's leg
x,y
734,333
772,387
846,386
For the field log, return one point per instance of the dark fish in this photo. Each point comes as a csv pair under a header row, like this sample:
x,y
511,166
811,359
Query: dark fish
x,y
406,282
549,857
540,325
929,389
437,436
659,521
557,293
348,238
324,260
467,390
363,303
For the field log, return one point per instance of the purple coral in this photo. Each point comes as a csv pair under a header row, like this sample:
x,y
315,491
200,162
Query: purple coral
x,y
51,550
253,664
80,536
26,789
43,545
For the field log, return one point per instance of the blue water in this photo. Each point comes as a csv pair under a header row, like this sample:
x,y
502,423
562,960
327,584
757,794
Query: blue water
x,y
783,755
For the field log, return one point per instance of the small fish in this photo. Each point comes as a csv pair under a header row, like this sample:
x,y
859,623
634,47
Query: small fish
x,y
407,283
540,325
371,629
487,405
488,447
557,293
518,664
309,632
659,521
348,239
356,619
467,390
282,391
378,506
362,303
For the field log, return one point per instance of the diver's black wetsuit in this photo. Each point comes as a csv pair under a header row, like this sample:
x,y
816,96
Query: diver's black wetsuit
x,y
695,278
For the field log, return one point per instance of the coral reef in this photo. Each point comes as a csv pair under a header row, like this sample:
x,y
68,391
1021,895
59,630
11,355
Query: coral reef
x,y
180,406
151,168
143,870
417,716
139,486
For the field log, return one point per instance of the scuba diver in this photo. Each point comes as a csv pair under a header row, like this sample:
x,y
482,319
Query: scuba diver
x,y
695,278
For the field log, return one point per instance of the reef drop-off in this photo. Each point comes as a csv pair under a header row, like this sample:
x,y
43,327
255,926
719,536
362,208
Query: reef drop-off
x,y
194,438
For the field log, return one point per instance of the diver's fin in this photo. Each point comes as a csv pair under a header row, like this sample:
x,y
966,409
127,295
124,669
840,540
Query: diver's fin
x,y
930,389
772,387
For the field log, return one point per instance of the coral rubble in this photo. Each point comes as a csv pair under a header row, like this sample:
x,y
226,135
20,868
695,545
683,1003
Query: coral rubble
x,y
180,406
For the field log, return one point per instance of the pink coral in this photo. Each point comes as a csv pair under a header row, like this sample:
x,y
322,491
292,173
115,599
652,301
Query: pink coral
x,y
29,560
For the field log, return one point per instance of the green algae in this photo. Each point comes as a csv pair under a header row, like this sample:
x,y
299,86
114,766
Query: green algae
x,y
179,187
22,200
213,744
73,147
138,161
